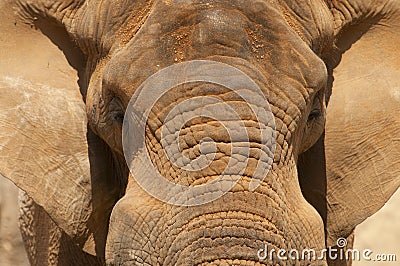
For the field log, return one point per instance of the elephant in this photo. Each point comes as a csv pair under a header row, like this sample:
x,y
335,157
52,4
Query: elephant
x,y
328,72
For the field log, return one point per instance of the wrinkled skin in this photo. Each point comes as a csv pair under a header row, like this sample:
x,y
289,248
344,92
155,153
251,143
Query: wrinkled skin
x,y
61,137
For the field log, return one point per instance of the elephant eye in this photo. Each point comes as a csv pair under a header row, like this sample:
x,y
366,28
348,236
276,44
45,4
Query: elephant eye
x,y
119,118
116,110
314,114
316,107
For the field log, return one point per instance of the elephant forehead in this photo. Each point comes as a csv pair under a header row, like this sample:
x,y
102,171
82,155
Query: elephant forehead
x,y
266,41
114,23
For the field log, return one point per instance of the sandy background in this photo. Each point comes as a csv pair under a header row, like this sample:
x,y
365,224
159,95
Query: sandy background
x,y
380,233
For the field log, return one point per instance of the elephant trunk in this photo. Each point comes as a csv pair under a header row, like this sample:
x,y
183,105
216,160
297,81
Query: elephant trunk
x,y
234,227
240,228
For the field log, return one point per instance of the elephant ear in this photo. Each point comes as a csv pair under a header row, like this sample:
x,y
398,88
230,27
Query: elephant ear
x,y
46,148
362,140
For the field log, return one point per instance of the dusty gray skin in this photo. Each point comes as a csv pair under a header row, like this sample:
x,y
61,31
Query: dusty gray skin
x,y
76,174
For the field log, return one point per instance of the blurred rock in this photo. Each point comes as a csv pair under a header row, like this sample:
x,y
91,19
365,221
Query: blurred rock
x,y
12,250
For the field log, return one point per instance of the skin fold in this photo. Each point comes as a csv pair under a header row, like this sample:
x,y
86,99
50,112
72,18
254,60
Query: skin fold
x,y
328,69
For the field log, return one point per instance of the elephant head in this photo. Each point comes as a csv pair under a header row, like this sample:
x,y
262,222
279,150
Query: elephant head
x,y
66,86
